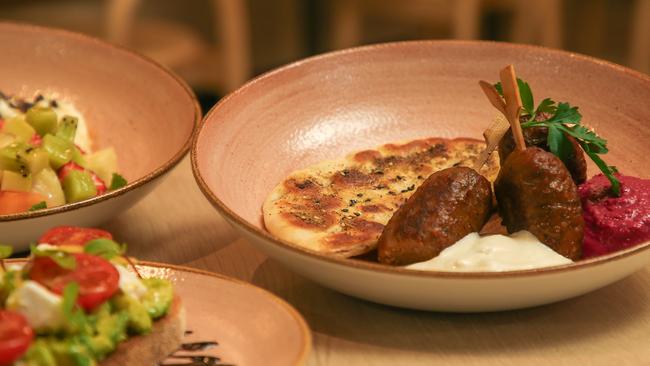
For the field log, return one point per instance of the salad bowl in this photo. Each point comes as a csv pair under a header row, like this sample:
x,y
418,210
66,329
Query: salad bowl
x,y
142,110
324,107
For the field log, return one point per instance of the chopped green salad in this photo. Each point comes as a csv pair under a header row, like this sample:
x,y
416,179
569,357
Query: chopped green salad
x,y
46,158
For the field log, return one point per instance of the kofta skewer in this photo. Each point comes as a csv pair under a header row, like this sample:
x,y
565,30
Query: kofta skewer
x,y
449,204
534,189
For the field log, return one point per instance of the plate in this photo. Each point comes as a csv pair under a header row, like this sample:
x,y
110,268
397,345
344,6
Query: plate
x,y
230,322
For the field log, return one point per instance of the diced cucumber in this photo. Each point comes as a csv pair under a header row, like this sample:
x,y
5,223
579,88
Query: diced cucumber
x,y
103,163
14,157
78,157
6,139
47,183
12,181
37,160
43,119
18,127
60,150
78,186
67,128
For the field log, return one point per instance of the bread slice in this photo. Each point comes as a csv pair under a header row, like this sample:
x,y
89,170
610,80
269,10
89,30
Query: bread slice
x,y
150,349
340,207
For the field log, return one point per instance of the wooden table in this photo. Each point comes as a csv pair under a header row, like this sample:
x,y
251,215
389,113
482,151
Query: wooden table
x,y
175,224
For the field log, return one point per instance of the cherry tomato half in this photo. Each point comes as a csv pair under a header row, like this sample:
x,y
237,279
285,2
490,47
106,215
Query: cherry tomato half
x,y
15,336
73,235
97,278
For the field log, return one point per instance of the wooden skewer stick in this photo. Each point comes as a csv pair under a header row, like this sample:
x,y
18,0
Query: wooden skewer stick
x,y
492,136
493,96
510,109
497,129
513,104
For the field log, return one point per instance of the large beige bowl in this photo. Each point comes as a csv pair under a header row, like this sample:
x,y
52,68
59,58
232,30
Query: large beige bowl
x,y
133,104
326,106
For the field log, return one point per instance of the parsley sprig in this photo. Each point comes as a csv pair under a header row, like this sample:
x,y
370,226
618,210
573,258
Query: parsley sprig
x,y
562,120
117,182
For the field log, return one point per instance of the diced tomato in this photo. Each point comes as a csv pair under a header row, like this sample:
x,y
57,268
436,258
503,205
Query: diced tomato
x,y
36,140
99,183
68,167
97,278
15,336
14,202
73,235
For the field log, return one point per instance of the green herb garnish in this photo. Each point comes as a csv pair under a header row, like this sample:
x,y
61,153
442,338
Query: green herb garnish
x,y
105,248
563,120
117,182
39,206
75,317
63,259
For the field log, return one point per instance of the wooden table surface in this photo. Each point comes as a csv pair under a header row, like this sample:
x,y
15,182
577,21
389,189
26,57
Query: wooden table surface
x,y
175,224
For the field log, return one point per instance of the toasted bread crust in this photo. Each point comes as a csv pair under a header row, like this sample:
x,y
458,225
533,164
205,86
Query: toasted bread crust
x,y
165,338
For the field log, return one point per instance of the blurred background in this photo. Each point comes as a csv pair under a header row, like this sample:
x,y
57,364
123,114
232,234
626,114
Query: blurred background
x,y
217,45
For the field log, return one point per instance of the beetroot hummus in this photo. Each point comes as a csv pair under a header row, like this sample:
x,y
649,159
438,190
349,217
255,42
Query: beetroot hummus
x,y
614,223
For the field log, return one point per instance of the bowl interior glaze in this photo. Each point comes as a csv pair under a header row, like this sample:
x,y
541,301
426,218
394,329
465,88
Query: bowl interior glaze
x,y
330,105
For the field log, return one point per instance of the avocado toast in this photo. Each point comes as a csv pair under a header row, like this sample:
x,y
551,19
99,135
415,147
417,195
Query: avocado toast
x,y
79,301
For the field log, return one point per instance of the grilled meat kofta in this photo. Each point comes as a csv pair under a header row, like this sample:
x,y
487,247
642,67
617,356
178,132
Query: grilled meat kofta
x,y
537,136
535,192
449,204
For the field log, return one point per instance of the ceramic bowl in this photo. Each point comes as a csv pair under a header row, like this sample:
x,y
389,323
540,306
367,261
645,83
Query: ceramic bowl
x,y
131,103
327,106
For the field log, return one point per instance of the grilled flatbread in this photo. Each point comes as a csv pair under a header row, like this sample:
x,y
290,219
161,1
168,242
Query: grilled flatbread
x,y
340,207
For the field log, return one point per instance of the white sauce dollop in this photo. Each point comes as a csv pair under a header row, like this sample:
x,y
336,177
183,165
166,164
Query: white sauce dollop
x,y
42,309
493,253
130,284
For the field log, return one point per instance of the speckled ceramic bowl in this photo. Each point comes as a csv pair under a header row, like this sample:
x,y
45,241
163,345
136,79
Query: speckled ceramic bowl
x,y
326,106
131,103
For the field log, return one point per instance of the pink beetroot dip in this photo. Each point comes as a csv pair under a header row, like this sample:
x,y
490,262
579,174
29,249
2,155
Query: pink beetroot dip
x,y
614,223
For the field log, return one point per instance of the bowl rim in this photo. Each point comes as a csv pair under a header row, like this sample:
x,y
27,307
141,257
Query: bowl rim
x,y
362,265
303,326
165,167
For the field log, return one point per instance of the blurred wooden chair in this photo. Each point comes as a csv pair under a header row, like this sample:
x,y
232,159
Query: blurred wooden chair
x,y
639,57
537,22
220,67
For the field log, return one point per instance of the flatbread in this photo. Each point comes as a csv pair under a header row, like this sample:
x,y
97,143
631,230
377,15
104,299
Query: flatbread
x,y
339,207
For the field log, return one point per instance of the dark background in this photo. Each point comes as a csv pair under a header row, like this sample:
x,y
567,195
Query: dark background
x,y
216,45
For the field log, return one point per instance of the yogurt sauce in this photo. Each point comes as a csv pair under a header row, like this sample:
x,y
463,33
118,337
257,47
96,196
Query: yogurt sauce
x,y
493,253
82,137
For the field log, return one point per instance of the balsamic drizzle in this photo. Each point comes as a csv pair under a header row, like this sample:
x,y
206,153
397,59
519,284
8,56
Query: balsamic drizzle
x,y
184,359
